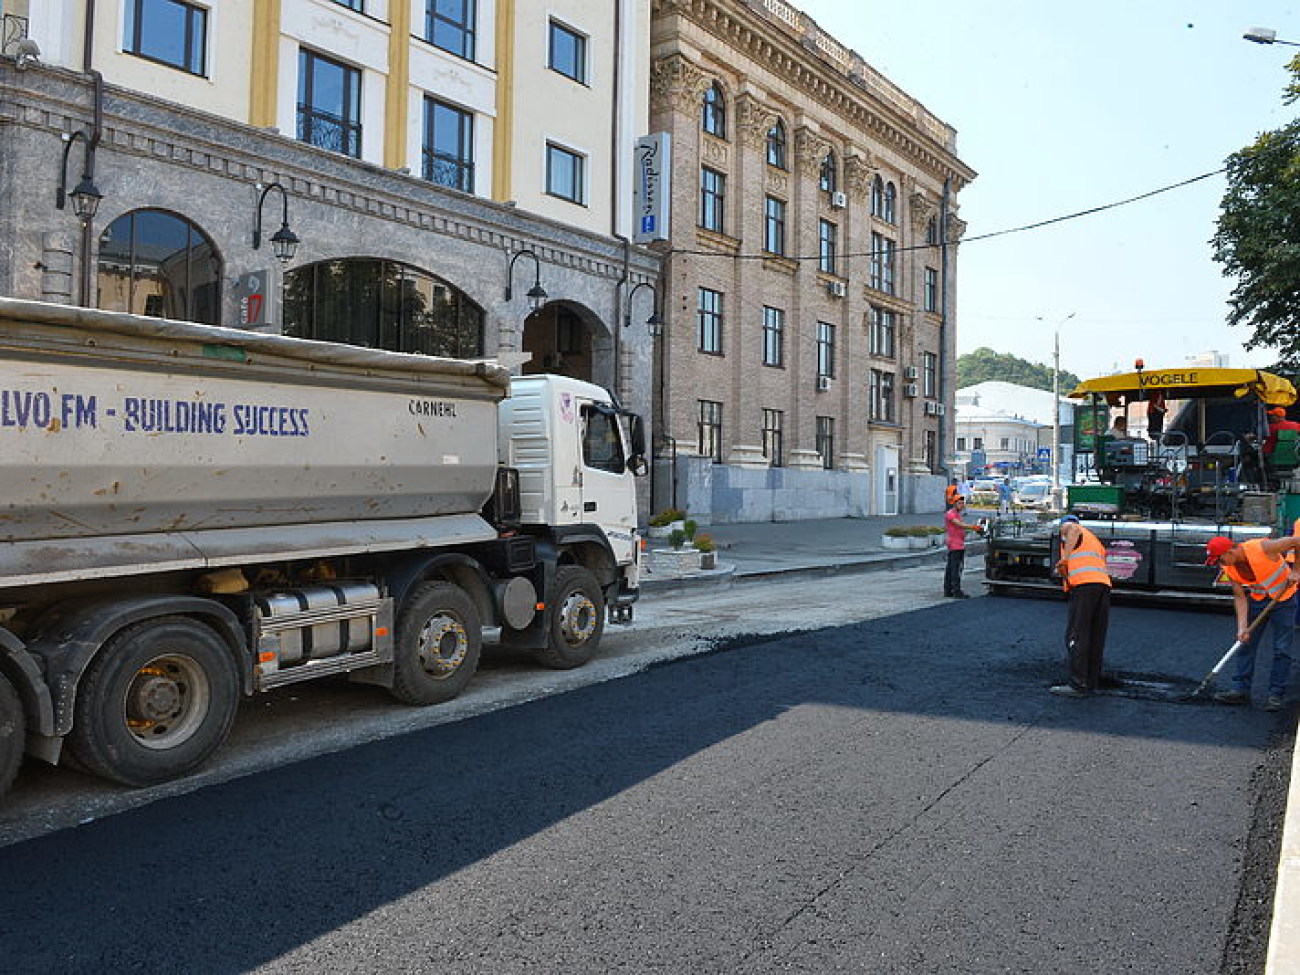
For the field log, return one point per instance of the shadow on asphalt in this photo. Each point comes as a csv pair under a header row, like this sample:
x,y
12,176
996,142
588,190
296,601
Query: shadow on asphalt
x,y
235,875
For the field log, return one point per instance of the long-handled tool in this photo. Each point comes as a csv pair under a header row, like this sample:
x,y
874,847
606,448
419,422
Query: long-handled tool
x,y
1232,650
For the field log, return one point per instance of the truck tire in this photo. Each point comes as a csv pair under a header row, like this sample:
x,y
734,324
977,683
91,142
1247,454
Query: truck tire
x,y
439,639
12,734
577,619
158,699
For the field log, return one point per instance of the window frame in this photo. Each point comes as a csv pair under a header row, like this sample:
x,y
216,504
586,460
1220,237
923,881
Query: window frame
x,y
580,49
578,162
773,337
463,162
709,418
708,320
883,385
824,441
929,374
464,28
713,111
825,350
348,122
828,234
774,210
193,48
930,289
713,199
828,176
883,332
777,151
774,437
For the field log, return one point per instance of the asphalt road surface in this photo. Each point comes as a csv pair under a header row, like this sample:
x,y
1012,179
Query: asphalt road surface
x,y
894,795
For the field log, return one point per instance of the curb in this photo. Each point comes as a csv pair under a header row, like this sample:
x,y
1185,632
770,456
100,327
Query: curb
x,y
1284,937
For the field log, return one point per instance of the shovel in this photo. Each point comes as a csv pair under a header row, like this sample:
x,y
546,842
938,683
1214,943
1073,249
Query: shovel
x,y
1232,651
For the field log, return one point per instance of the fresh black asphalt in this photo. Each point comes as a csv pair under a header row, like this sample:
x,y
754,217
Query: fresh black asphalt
x,y
900,795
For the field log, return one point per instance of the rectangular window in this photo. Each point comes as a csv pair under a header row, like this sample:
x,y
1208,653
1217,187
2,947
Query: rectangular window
x,y
358,5
566,174
826,441
882,396
977,443
773,336
961,443
449,25
169,32
568,53
1005,443
825,349
931,298
774,226
713,196
884,328
827,246
888,266
929,374
710,430
931,450
329,104
773,445
448,146
709,317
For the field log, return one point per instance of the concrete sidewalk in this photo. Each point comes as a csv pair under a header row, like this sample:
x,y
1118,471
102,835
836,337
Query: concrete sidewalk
x,y
752,552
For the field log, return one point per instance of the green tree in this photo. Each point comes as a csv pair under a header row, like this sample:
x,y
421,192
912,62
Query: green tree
x,y
1258,237
985,365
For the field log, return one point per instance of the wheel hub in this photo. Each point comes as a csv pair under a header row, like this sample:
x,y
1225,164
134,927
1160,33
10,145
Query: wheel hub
x,y
443,646
578,618
166,701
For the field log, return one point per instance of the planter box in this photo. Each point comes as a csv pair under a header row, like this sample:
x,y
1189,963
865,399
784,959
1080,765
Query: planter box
x,y
670,562
897,542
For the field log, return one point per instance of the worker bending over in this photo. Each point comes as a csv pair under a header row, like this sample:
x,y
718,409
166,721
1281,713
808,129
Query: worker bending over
x,y
1260,573
1082,568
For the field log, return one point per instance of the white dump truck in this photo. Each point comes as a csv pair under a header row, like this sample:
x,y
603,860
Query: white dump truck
x,y
191,514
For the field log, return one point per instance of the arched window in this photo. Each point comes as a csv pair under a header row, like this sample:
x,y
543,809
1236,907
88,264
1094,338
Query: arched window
x,y
877,197
152,262
829,180
891,204
776,145
713,113
381,305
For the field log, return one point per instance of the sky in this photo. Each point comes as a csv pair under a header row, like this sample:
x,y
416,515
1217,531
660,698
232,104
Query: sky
x,y
1066,107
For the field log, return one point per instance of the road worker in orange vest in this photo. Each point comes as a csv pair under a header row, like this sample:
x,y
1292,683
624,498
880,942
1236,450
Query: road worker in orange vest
x,y
1082,568
1260,570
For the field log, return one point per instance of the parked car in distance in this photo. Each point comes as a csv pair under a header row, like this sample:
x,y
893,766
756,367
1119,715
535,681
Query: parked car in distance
x,y
1035,494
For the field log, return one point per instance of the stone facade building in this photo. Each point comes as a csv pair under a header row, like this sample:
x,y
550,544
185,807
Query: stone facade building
x,y
805,368
416,150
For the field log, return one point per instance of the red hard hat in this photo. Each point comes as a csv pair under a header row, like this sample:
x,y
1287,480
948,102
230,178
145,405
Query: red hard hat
x,y
1215,548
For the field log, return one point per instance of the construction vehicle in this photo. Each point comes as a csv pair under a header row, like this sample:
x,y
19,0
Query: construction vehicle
x,y
1154,501
193,514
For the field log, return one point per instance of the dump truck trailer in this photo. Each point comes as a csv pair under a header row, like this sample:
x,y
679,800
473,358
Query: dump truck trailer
x,y
192,514
1155,501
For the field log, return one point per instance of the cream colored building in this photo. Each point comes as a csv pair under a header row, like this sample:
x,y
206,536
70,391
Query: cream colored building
x,y
430,156
806,365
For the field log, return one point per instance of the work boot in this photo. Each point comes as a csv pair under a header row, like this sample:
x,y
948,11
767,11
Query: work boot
x,y
1067,690
1274,703
1232,697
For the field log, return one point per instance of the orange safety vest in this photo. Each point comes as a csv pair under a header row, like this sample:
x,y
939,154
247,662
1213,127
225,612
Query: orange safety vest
x,y
1087,563
1272,573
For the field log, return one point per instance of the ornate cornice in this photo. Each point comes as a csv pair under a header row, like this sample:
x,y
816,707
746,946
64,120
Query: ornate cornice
x,y
810,150
786,43
753,121
677,84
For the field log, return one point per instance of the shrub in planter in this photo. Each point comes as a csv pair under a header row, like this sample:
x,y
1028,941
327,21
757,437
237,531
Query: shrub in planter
x,y
667,517
677,539
690,527
704,543
896,537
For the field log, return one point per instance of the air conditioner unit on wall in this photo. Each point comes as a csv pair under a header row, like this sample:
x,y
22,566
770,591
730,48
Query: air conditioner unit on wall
x,y
839,199
837,289
823,383
929,407
910,389
912,372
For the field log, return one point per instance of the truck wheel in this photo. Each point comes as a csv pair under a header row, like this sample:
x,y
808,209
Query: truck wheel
x,y
156,702
12,734
577,619
439,638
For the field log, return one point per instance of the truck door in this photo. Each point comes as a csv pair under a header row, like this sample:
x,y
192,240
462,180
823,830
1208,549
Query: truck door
x,y
608,488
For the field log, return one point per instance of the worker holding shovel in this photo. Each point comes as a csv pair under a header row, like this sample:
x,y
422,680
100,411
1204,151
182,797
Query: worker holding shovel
x,y
1261,577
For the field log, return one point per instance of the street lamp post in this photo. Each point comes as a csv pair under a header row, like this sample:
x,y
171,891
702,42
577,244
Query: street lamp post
x,y
1056,405
1266,35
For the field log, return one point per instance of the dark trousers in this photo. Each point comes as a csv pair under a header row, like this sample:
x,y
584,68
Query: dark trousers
x,y
952,573
1085,633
